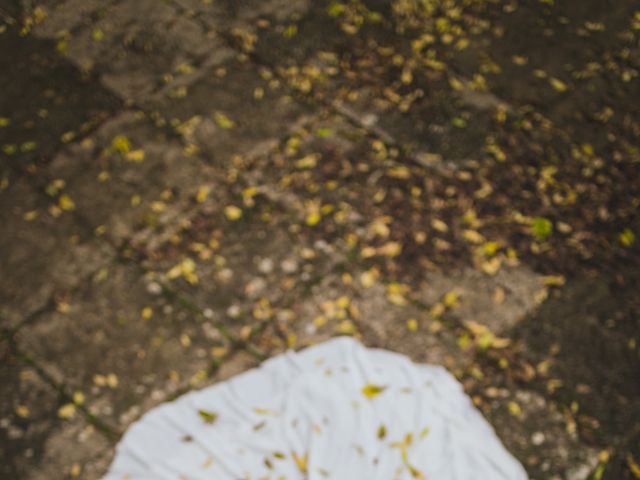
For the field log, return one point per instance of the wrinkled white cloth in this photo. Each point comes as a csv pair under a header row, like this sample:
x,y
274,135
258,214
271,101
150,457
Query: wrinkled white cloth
x,y
336,411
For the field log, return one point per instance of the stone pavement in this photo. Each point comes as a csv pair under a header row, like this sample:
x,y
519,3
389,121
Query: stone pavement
x,y
191,186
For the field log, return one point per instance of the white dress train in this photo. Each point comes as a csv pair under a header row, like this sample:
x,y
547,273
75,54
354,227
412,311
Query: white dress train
x,y
336,410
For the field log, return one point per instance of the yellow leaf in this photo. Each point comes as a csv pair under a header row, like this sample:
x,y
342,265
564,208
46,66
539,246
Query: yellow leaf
x,y
61,45
135,156
343,302
463,341
450,299
97,35
112,380
412,325
396,293
491,267
554,280
65,202
368,252
223,121
437,310
232,212
500,342
313,219
121,144
633,466
371,391
185,269
146,313
490,248
184,68
179,92
456,84
439,225
9,149
368,278
30,215
519,60
78,398
390,249
308,161
67,411
399,172
22,411
203,193
514,409
301,462
207,416
4,121
558,85
379,227
472,236
346,327
75,470
407,76
627,237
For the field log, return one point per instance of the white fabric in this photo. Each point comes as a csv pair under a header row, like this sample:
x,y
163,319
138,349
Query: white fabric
x,y
341,410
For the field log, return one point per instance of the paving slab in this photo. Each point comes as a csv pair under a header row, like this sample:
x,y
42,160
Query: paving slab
x,y
131,46
537,435
228,14
231,109
237,270
46,102
340,305
42,435
44,253
499,302
139,346
588,334
124,176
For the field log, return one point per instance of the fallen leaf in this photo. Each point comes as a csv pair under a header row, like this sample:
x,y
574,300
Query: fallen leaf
x,y
232,212
371,391
223,121
207,416
558,85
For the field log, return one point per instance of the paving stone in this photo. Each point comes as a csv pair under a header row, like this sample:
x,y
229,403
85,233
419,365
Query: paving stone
x,y
139,347
337,304
232,364
537,435
130,173
35,442
236,270
587,332
232,109
95,468
43,256
132,46
66,15
228,14
498,302
46,100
